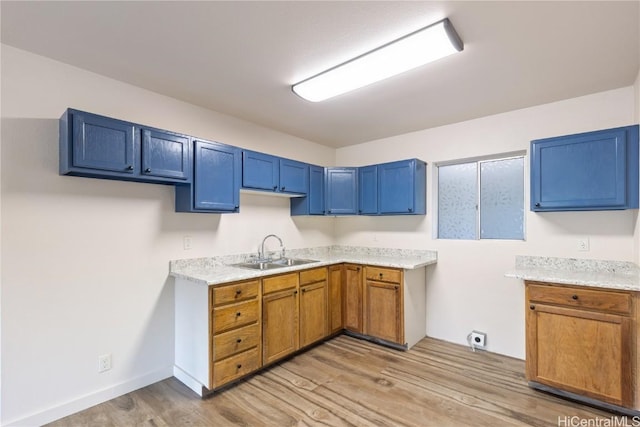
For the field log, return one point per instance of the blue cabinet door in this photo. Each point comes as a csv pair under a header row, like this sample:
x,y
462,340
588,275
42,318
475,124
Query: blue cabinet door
x,y
294,177
402,187
368,190
103,144
589,171
165,155
260,171
313,202
216,180
342,191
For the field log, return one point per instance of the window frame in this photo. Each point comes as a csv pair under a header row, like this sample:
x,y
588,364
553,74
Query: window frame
x,y
478,161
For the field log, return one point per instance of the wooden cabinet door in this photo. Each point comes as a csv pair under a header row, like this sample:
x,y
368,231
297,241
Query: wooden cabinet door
x,y
580,351
383,311
335,298
313,312
352,300
280,325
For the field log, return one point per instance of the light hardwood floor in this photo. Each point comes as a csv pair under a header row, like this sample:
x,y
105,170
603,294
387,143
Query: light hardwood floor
x,y
350,382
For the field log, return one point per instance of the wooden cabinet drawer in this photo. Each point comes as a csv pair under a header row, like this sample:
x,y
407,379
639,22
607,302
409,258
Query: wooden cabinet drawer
x,y
384,274
235,292
235,366
235,341
278,283
234,315
600,300
313,275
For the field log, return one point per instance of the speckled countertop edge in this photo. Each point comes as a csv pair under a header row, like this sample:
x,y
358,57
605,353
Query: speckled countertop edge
x,y
216,270
619,275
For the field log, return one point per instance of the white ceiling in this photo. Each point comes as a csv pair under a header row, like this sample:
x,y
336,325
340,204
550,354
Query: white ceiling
x,y
240,58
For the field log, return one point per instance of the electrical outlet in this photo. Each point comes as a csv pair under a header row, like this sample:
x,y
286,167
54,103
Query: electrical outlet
x,y
478,340
583,244
187,243
104,362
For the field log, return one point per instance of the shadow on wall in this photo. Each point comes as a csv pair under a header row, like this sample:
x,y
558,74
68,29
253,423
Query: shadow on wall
x,y
568,223
395,223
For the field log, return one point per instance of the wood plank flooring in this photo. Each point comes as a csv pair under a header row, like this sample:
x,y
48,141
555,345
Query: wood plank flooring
x,y
350,382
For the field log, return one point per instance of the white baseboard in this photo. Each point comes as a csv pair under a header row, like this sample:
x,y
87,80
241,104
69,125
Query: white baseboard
x,y
188,380
91,399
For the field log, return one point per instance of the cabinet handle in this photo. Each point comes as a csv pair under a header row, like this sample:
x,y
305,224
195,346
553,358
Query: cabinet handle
x,y
275,187
239,366
358,269
237,207
532,307
282,188
381,275
147,170
304,290
239,340
238,314
238,291
129,168
575,297
295,292
396,287
359,210
537,205
410,210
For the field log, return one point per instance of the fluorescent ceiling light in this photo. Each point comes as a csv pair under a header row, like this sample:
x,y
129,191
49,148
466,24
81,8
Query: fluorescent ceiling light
x,y
418,48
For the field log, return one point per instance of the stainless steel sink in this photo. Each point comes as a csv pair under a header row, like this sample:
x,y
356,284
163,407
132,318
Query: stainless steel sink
x,y
270,265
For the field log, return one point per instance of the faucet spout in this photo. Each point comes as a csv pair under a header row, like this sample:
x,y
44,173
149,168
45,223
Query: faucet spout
x,y
262,254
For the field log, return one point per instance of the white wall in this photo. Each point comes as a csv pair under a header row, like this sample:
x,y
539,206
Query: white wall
x,y
85,261
467,289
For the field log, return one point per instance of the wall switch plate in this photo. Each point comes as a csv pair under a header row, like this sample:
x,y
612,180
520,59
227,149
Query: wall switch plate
x,y
583,244
187,243
104,362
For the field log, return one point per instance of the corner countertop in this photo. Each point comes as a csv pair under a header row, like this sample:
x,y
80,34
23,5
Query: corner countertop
x,y
620,275
217,270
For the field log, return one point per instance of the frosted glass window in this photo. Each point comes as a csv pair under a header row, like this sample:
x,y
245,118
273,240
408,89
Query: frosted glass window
x,y
457,201
502,199
481,200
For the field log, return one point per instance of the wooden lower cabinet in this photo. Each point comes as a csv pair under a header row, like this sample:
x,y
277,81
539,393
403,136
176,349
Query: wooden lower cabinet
x,y
313,306
280,334
352,297
583,341
335,298
383,310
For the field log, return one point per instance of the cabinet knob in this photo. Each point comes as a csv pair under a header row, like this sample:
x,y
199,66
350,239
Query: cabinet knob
x,y
129,168
574,297
238,291
358,269
275,187
396,287
410,210
239,340
537,205
237,207
359,210
147,170
381,275
304,290
238,314
532,307
282,188
239,366
295,292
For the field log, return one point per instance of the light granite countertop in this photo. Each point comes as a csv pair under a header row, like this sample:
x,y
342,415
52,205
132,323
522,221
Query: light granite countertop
x,y
218,270
620,275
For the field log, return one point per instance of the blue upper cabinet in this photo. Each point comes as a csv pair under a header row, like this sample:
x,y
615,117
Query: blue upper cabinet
x,y
588,171
260,171
100,147
342,191
313,203
368,190
216,181
402,188
165,155
270,173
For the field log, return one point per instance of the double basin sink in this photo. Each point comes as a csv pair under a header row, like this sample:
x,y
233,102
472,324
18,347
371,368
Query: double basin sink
x,y
273,264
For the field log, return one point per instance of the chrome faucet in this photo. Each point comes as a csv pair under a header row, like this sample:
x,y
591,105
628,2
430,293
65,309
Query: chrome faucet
x,y
261,253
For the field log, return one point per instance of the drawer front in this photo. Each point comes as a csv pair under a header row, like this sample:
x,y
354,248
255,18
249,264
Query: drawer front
x,y
235,366
235,341
278,283
235,315
235,292
601,300
384,274
313,275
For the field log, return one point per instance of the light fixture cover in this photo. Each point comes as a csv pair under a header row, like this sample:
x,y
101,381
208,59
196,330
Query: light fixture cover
x,y
418,48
